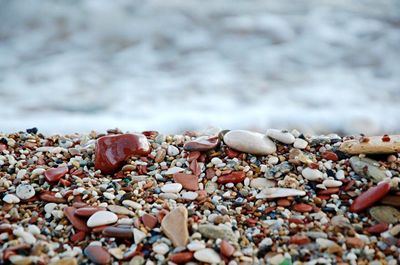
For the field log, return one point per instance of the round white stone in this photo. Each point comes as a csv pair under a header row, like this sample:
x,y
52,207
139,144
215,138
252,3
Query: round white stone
x,y
109,195
130,203
331,183
173,170
207,255
172,150
102,218
11,198
249,142
171,188
25,191
190,195
196,245
161,248
312,174
281,136
216,160
300,143
270,193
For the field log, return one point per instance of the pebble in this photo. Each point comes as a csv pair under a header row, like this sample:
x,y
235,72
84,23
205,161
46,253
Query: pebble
x,y
312,174
385,214
134,205
173,170
171,188
25,236
190,195
97,254
331,183
113,150
234,177
202,144
261,183
120,210
138,235
181,257
175,227
76,222
367,167
53,175
149,220
270,193
102,218
207,255
368,198
249,142
226,248
281,136
172,150
88,211
118,232
188,181
217,231
161,248
378,228
375,145
195,245
25,191
11,198
300,143
303,208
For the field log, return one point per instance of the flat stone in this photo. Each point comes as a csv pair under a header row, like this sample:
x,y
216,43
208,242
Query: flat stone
x,y
378,228
25,191
385,214
300,143
118,232
234,177
88,211
112,150
261,183
120,210
331,183
392,200
312,174
375,145
97,254
249,142
138,235
368,198
217,231
190,195
271,193
149,220
161,248
324,243
11,198
172,150
329,155
202,144
173,170
53,175
175,227
132,204
188,181
171,188
196,245
181,257
207,255
281,136
226,248
76,222
369,168
102,218
302,207
354,242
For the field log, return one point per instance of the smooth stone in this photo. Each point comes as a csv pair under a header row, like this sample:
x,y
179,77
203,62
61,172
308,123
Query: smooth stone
x,y
312,174
55,174
102,218
25,191
188,181
281,136
172,150
132,204
207,255
211,187
378,228
169,196
324,243
76,222
138,235
392,200
234,177
196,245
11,198
385,214
161,248
369,197
175,227
181,257
331,183
375,145
65,261
190,195
366,167
261,183
249,142
173,170
202,144
149,220
118,232
217,231
171,188
88,211
303,208
120,210
97,254
271,193
226,248
112,150
25,236
300,143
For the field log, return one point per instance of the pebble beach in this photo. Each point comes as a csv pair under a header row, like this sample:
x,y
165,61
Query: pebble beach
x,y
212,197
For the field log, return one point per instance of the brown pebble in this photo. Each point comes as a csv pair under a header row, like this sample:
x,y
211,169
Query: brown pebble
x,y
226,248
181,257
97,254
76,222
149,220
118,232
302,207
88,211
355,242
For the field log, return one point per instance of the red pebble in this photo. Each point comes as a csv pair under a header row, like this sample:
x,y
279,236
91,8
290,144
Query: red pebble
x,y
97,254
354,242
149,220
55,174
299,240
303,208
49,196
234,177
296,221
329,155
193,156
231,153
189,182
181,257
368,198
226,248
202,144
113,150
195,168
329,191
76,222
378,228
88,211
78,237
386,138
283,202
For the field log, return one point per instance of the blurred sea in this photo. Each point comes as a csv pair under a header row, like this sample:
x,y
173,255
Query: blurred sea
x,y
319,66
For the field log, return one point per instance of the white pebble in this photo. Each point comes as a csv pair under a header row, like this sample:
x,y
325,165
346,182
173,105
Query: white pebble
x,y
196,245
109,195
216,160
138,235
330,183
190,195
134,205
11,198
207,255
33,229
172,150
300,143
273,160
173,170
312,174
340,174
25,191
171,188
102,218
161,248
281,136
